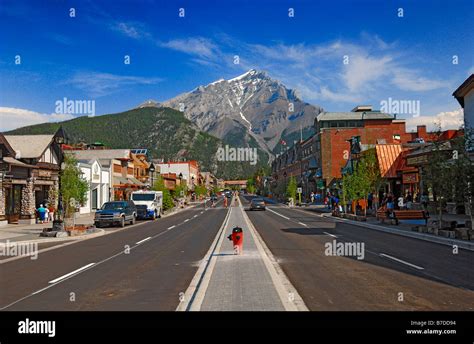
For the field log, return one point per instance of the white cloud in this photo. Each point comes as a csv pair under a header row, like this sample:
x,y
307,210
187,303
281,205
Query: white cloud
x,y
12,118
363,70
101,84
199,46
447,119
131,29
409,80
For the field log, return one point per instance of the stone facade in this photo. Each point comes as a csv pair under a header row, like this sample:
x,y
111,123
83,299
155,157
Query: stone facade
x,y
2,204
28,202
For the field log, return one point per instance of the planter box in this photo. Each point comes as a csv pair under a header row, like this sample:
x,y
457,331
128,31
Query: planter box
x,y
461,233
451,208
447,234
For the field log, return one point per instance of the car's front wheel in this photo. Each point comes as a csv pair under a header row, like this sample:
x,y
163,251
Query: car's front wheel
x,y
133,220
122,222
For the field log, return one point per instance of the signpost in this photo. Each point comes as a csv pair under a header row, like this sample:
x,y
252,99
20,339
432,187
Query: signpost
x,y
299,191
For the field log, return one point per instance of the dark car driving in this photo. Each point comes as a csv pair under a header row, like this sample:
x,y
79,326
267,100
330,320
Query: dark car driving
x,y
257,203
116,213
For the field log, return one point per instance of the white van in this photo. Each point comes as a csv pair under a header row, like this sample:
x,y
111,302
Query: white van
x,y
149,204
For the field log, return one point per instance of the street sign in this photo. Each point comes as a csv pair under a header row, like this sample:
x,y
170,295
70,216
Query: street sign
x,y
299,190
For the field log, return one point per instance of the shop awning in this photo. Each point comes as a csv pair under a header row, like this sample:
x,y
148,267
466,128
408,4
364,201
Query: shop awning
x,y
387,157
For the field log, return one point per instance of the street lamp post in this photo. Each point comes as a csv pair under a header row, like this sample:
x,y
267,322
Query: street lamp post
x,y
152,174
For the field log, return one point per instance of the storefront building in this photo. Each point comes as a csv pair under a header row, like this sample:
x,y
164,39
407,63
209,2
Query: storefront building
x,y
29,175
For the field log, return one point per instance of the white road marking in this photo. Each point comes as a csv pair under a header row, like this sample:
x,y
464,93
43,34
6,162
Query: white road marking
x,y
171,227
70,274
402,261
186,220
332,235
39,291
202,212
303,224
194,294
195,216
139,242
285,217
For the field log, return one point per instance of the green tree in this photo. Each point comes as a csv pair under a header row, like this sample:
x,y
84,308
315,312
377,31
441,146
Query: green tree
x,y
167,199
370,175
73,188
291,188
181,190
251,185
200,190
448,174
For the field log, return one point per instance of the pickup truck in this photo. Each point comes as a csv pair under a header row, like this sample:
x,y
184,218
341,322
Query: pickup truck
x,y
149,204
116,213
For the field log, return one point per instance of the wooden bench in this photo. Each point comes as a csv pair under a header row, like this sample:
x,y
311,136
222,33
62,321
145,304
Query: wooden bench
x,y
397,215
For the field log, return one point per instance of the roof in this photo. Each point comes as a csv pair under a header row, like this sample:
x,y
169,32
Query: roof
x,y
463,89
13,161
127,181
387,157
356,116
29,146
102,154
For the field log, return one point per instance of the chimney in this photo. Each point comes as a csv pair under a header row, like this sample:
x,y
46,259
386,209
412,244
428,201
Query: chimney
x,y
421,131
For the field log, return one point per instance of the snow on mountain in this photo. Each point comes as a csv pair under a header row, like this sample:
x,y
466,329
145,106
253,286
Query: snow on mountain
x,y
249,107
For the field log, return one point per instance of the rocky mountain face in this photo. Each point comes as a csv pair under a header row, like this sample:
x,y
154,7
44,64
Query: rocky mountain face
x,y
251,109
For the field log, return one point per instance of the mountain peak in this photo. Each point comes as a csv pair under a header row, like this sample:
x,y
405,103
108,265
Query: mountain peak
x,y
249,74
149,103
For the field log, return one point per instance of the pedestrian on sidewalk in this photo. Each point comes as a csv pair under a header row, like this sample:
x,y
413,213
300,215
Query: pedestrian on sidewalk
x,y
370,200
41,212
409,200
46,214
51,213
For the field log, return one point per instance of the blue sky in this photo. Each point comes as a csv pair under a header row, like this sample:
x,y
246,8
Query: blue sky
x,y
82,57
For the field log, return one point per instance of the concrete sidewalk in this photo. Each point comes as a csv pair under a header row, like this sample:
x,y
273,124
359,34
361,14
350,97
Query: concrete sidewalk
x,y
246,282
14,233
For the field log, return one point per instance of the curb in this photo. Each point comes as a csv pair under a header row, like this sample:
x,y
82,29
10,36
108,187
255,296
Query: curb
x,y
415,235
52,240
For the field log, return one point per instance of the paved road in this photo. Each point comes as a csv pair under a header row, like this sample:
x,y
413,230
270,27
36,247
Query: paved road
x,y
436,279
165,254
150,277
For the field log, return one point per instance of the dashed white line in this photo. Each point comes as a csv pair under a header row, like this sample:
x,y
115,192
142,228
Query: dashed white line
x,y
171,227
186,220
139,242
195,216
71,273
402,261
331,235
285,217
303,224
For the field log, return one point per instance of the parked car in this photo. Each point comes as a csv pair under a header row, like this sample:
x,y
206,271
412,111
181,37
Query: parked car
x,y
257,203
116,213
